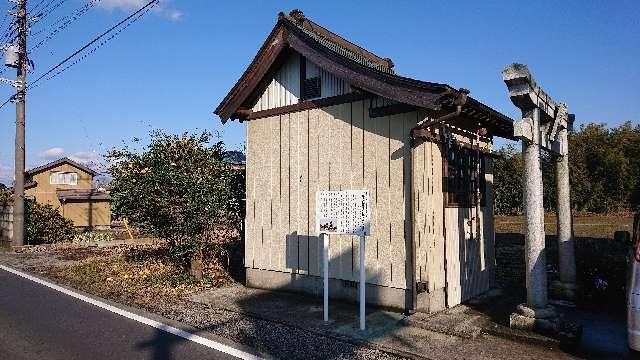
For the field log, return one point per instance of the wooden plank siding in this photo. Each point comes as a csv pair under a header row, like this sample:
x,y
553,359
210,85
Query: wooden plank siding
x,y
357,165
435,230
294,194
250,224
302,185
370,182
315,245
290,262
292,156
469,253
284,88
421,171
398,137
342,171
429,234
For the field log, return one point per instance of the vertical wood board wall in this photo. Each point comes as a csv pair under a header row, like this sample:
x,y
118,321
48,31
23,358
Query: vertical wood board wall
x,y
292,156
284,88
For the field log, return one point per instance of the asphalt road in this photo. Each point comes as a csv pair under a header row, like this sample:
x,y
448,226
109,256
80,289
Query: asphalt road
x,y
40,323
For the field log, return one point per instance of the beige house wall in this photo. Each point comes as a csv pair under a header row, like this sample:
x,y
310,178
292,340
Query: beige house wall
x,y
88,213
45,193
451,257
292,156
83,213
428,229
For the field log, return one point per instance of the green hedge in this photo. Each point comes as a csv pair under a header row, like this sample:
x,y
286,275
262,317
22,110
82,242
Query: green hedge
x,y
45,225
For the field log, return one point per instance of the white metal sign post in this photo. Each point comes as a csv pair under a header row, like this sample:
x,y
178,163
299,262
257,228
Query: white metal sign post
x,y
343,212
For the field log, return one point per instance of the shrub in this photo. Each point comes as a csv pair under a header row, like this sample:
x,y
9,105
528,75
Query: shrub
x,y
177,188
45,225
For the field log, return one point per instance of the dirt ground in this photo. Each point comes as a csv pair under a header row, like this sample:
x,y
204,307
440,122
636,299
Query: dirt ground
x,y
584,225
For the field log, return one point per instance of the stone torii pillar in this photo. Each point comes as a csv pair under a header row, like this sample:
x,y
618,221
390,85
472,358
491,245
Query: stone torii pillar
x,y
565,287
543,125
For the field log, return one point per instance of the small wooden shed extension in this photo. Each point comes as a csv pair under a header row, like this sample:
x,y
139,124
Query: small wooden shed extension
x,y
326,114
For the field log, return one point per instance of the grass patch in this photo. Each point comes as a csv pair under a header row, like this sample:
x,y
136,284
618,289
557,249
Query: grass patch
x,y
584,225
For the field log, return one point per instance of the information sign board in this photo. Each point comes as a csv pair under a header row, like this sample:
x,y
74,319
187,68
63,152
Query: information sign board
x,y
343,212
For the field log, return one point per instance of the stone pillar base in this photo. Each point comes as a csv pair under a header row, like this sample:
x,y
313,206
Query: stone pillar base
x,y
563,291
543,320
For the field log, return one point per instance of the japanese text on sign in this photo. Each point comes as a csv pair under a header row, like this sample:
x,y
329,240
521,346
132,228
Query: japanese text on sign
x,y
343,212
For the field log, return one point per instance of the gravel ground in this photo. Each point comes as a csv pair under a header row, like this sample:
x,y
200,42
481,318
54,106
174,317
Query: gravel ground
x,y
281,341
278,340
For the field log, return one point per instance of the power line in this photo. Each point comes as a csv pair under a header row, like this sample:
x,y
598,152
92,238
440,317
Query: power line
x,y
7,32
76,13
140,12
49,4
71,18
35,8
148,5
100,45
42,15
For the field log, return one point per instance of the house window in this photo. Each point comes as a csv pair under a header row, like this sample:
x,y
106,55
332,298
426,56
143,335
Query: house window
x,y
311,88
460,180
63,178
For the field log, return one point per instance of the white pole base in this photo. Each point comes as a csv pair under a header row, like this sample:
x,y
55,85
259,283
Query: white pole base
x,y
363,284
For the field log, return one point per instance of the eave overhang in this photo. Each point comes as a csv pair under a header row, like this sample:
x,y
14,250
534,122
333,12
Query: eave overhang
x,y
286,36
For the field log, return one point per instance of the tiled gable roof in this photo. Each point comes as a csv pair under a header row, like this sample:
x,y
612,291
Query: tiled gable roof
x,y
64,160
338,44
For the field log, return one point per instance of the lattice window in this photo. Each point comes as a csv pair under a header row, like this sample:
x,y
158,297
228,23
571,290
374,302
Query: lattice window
x,y
312,88
460,180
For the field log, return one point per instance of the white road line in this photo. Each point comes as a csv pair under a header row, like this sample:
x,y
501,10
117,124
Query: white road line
x,y
141,319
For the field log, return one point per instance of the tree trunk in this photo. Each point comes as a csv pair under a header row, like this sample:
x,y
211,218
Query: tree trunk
x,y
196,265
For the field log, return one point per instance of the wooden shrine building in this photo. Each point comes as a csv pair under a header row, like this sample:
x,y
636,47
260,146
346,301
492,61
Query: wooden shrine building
x,y
325,114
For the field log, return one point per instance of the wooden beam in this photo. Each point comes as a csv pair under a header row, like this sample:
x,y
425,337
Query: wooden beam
x,y
392,109
309,104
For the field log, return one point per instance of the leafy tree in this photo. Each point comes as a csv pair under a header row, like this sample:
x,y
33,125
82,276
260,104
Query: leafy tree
x,y
508,168
604,166
45,224
177,188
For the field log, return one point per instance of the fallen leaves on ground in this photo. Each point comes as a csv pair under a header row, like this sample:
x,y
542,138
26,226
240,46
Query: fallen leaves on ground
x,y
136,275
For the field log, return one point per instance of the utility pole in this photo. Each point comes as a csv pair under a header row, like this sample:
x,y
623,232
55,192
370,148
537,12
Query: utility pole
x,y
22,66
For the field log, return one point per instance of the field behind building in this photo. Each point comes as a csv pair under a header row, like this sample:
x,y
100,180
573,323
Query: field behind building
x,y
584,225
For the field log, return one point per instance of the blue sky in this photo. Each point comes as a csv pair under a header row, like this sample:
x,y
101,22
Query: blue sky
x,y
170,69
